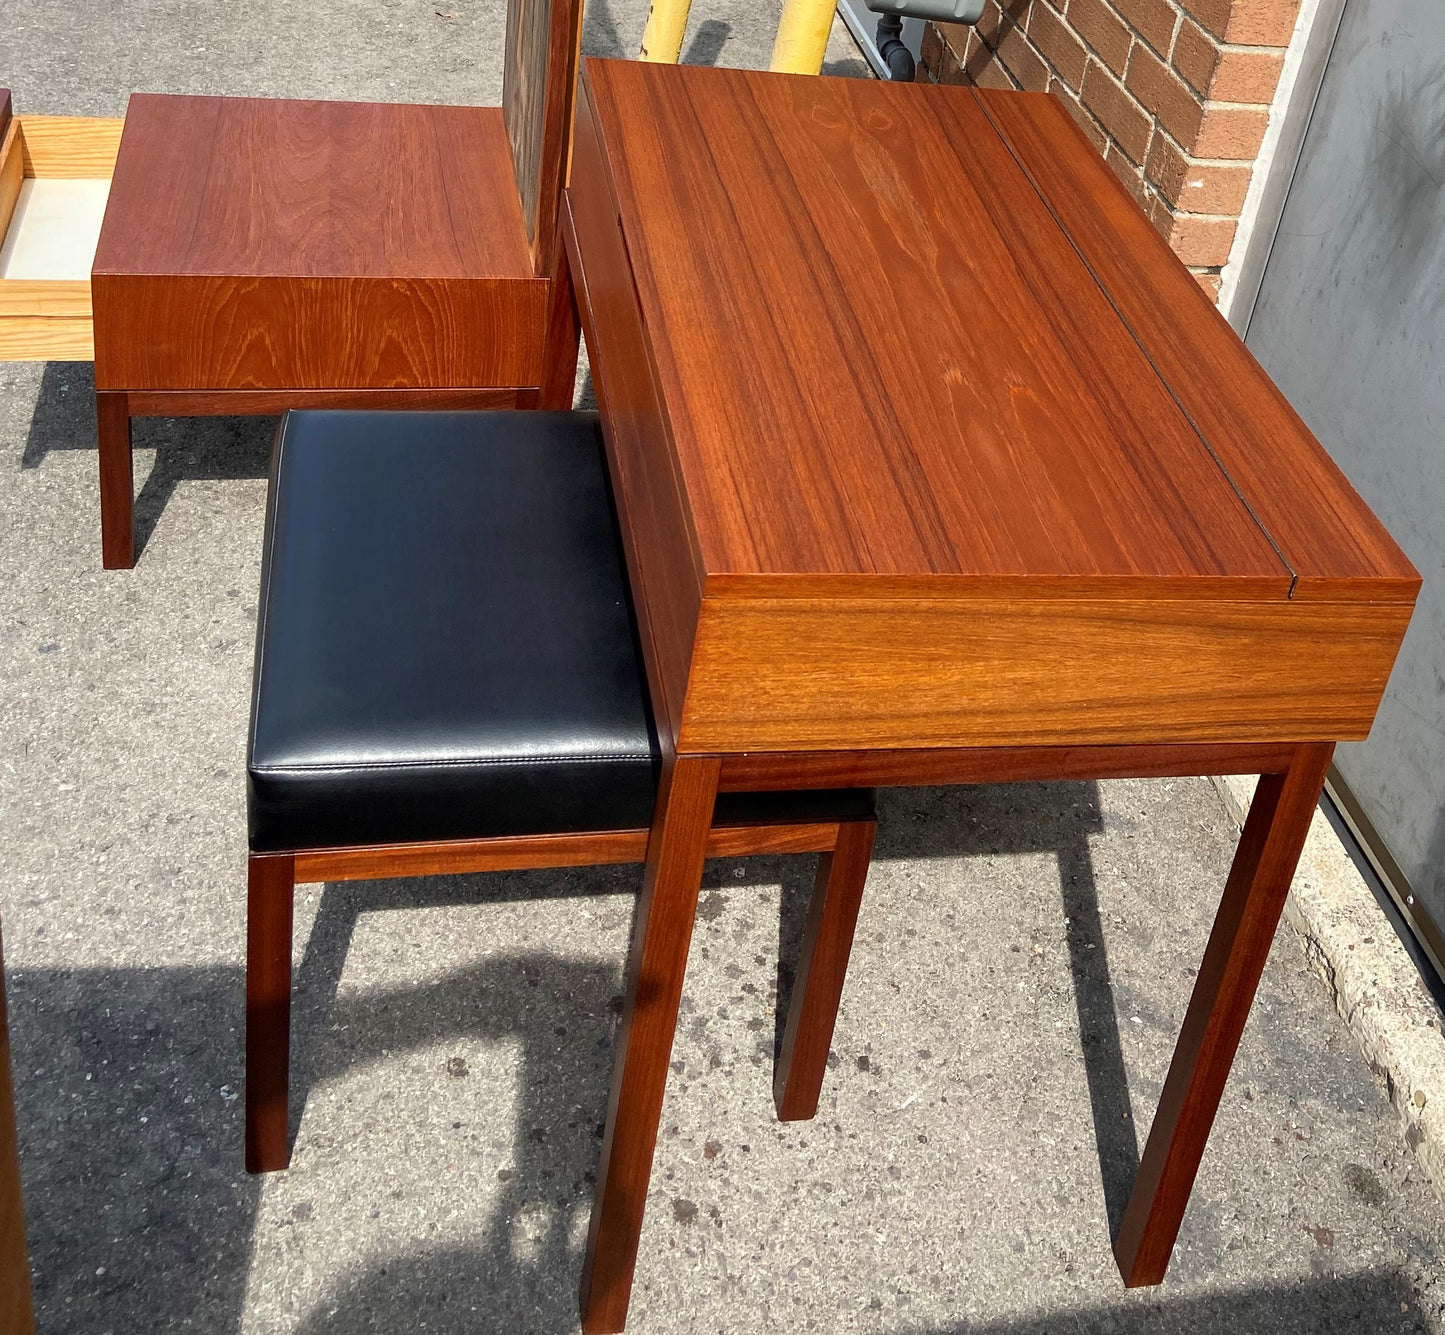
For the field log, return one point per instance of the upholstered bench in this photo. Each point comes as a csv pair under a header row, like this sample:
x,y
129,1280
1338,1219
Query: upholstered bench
x,y
448,679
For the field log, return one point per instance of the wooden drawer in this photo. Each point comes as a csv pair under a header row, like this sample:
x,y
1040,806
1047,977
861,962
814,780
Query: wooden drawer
x,y
54,180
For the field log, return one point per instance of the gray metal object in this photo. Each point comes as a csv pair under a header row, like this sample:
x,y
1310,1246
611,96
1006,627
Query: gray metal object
x,y
1319,43
938,11
894,51
862,24
1350,322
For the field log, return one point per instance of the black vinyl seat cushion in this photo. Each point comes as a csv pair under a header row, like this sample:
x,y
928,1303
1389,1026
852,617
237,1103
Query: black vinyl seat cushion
x,y
445,647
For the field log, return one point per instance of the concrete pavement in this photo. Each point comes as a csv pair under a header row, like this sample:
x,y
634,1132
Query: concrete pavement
x,y
1022,965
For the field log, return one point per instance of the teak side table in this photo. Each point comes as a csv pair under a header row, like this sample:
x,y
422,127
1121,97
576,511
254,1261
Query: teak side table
x,y
1005,500
258,255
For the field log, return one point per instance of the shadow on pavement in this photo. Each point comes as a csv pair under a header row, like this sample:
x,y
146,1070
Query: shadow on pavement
x,y
1053,818
1370,1303
126,1091
127,1083
187,449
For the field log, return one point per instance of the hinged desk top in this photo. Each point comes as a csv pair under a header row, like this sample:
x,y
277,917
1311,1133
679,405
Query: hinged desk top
x,y
923,435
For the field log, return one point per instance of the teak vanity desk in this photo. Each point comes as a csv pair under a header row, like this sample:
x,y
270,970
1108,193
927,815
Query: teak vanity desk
x,y
1004,500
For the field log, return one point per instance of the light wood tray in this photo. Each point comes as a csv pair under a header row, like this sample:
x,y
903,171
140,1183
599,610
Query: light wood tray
x,y
54,174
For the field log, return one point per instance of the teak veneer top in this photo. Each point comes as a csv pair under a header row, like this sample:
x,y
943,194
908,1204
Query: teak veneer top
x,y
250,187
921,335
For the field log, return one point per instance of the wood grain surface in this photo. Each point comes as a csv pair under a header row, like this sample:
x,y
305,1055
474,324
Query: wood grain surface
x,y
663,559
539,83
16,1313
822,967
952,500
656,963
806,674
315,333
1325,532
1239,943
768,771
963,401
270,909
314,245
69,297
266,402
72,146
12,170
548,850
264,187
49,319
524,98
116,463
46,338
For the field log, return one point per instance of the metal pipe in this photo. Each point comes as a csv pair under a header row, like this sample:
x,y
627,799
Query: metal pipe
x,y
802,36
666,26
901,66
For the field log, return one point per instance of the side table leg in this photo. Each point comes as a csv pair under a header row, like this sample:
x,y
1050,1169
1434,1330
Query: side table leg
x,y
1264,864
564,332
17,1316
655,967
117,482
822,966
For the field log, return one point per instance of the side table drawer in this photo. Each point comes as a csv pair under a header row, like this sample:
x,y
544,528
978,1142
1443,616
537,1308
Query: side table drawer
x,y
54,180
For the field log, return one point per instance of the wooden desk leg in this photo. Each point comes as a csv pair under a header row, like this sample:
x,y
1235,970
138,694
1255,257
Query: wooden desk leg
x,y
822,966
269,910
655,967
117,481
564,332
16,1314
1269,848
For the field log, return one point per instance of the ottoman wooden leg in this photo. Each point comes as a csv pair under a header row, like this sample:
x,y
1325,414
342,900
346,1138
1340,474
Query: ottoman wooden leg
x,y
270,889
818,986
117,482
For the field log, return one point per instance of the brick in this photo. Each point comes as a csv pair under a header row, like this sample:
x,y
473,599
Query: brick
x,y
1054,40
1247,76
955,36
1161,91
1162,216
1153,20
1129,175
941,60
1093,131
1023,62
1104,30
1193,187
1125,120
1247,22
1202,242
1228,74
930,51
1208,281
988,23
991,73
1167,166
1229,132
1195,55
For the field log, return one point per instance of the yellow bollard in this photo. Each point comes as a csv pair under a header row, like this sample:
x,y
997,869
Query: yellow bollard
x,y
662,38
802,36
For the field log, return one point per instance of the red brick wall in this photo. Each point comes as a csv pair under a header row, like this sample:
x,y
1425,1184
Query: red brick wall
x,y
1174,93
